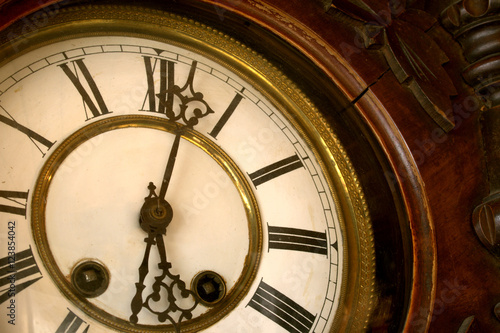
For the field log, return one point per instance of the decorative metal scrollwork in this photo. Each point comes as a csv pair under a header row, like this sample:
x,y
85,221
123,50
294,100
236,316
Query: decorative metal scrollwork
x,y
192,105
156,215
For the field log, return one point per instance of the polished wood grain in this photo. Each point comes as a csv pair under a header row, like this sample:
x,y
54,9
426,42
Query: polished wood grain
x,y
429,178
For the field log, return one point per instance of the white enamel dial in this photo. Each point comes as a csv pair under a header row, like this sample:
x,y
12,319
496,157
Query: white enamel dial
x,y
93,197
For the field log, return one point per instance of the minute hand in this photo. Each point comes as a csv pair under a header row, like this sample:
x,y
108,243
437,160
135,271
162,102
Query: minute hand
x,y
170,165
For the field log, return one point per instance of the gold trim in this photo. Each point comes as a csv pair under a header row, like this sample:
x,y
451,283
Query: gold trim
x,y
358,276
249,202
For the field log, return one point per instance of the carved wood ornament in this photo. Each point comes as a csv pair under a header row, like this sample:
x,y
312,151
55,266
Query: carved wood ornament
x,y
453,283
475,25
415,59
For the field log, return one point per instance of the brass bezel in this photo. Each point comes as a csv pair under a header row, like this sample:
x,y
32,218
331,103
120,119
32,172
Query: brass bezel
x,y
248,200
358,276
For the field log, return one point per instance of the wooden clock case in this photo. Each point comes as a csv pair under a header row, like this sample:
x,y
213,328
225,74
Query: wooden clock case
x,y
409,88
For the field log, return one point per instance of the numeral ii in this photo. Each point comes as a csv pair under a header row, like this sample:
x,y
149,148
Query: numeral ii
x,y
275,170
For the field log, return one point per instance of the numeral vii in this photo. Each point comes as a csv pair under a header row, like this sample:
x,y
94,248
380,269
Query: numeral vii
x,y
281,309
17,268
95,103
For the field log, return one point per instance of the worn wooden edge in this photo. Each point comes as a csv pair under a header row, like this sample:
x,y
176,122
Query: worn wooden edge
x,y
348,77
13,10
417,208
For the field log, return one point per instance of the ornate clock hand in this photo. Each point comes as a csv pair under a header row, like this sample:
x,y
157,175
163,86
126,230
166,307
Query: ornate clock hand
x,y
137,302
170,165
155,216
156,212
176,282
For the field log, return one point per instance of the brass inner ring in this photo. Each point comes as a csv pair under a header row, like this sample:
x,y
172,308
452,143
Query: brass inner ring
x,y
248,199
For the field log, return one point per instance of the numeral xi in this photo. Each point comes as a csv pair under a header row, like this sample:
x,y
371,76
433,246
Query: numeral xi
x,y
97,109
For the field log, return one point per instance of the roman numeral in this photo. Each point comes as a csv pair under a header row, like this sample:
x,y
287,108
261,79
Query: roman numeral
x,y
297,240
15,272
226,115
71,324
281,309
20,200
167,69
275,170
96,104
32,135
162,101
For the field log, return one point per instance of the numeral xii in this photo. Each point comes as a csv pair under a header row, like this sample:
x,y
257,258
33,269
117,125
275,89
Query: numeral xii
x,y
162,100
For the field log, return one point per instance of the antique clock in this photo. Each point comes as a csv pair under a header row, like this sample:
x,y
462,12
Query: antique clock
x,y
172,179
225,166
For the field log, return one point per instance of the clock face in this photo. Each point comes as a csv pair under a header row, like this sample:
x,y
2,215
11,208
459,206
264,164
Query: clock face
x,y
153,182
